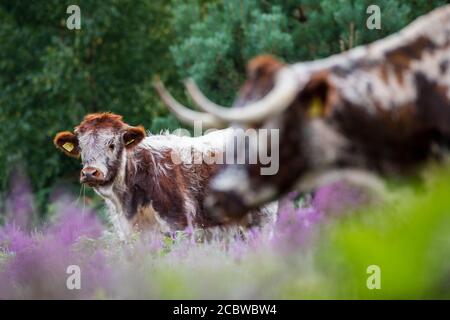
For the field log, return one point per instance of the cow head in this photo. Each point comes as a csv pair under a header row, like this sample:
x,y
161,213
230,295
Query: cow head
x,y
102,140
304,143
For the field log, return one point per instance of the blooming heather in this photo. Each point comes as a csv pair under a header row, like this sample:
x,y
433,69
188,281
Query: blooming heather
x,y
34,260
339,197
13,239
20,202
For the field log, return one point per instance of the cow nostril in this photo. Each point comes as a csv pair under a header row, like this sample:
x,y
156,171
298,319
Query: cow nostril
x,y
89,173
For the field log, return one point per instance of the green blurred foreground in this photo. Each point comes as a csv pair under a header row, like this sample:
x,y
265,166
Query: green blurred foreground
x,y
408,238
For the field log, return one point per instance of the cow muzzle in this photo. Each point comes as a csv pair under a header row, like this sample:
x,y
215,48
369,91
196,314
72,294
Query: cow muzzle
x,y
225,207
91,176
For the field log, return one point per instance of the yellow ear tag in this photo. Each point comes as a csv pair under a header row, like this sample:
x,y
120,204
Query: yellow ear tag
x,y
129,142
68,146
315,109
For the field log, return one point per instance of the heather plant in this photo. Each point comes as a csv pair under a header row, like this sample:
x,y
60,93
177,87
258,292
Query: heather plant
x,y
318,248
20,204
36,261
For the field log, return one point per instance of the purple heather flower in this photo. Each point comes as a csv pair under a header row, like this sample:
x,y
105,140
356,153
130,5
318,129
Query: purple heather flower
x,y
20,203
339,197
40,271
13,239
36,263
295,225
73,223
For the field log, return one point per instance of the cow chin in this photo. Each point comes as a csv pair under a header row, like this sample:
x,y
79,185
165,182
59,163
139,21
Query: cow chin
x,y
225,207
92,183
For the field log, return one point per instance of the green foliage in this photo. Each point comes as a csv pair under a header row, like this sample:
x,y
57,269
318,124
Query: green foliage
x,y
215,40
408,240
222,36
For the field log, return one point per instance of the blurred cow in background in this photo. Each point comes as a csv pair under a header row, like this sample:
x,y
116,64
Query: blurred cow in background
x,y
381,108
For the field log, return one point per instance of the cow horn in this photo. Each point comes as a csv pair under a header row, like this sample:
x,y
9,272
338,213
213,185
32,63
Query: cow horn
x,y
185,114
287,85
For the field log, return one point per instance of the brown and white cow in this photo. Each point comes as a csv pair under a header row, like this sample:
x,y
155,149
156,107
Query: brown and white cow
x,y
146,181
382,108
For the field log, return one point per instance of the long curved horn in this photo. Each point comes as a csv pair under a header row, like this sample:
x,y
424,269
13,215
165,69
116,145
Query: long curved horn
x,y
287,85
185,114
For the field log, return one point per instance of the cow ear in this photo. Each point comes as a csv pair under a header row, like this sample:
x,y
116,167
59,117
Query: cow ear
x,y
133,135
68,143
318,96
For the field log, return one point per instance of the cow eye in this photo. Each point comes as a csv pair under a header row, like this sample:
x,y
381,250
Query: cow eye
x,y
111,147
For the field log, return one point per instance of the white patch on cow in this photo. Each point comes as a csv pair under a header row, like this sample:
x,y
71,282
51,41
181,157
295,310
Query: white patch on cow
x,y
120,177
232,178
109,193
270,216
384,94
429,65
186,147
190,209
115,209
93,148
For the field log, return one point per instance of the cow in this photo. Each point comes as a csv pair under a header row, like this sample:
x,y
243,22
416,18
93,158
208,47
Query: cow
x,y
375,110
147,181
